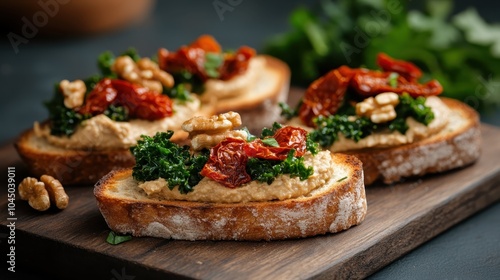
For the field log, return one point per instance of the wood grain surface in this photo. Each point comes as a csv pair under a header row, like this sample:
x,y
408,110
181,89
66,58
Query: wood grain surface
x,y
400,217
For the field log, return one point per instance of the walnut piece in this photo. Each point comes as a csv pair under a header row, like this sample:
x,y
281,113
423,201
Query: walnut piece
x,y
206,132
40,194
380,108
56,191
35,193
73,92
145,72
202,141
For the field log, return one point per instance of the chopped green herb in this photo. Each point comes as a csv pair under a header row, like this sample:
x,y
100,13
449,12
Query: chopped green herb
x,y
342,179
270,142
270,131
179,92
212,63
250,136
393,79
311,146
115,239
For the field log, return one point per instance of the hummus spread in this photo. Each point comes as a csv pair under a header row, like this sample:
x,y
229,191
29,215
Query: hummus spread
x,y
383,139
282,188
239,85
102,133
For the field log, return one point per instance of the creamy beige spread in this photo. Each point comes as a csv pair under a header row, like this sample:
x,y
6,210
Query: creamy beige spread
x,y
282,188
239,85
102,133
415,132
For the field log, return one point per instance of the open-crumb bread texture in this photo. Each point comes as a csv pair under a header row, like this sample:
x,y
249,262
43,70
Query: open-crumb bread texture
x,y
336,206
456,145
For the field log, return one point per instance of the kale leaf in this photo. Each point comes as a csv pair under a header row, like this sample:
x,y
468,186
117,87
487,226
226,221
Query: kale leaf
x,y
328,128
117,113
410,107
267,170
158,157
63,121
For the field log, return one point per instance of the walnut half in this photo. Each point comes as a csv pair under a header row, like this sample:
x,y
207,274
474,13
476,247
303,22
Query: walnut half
x,y
206,132
56,191
380,108
35,193
74,93
145,72
40,194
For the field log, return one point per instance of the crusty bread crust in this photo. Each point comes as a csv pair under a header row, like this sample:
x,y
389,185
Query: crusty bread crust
x,y
259,108
457,145
70,167
331,208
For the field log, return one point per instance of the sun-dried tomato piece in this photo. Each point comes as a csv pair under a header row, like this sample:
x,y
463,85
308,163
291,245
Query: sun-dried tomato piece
x,y
227,163
99,98
236,64
192,58
292,137
325,95
184,59
140,102
206,43
370,83
288,138
404,68
257,149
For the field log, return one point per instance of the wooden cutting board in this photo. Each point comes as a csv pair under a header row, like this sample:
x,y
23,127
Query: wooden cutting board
x,y
71,243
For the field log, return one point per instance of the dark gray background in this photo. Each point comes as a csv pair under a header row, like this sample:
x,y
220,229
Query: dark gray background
x,y
470,250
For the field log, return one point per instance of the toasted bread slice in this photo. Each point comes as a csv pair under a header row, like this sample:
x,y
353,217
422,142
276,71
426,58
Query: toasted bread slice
x,y
74,166
259,108
457,145
70,167
337,205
